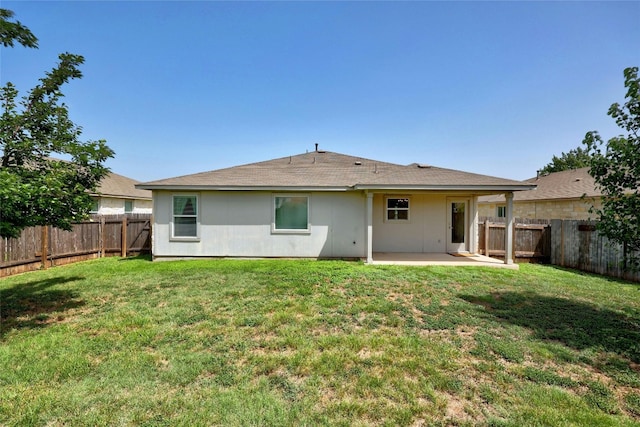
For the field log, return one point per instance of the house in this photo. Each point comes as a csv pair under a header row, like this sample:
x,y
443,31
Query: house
x,y
558,195
320,204
118,194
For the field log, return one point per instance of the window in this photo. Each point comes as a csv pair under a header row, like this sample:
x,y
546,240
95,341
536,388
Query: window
x,y
128,206
185,216
501,211
291,213
95,206
397,209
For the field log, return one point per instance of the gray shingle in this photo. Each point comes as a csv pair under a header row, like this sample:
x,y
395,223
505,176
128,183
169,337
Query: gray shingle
x,y
570,184
114,185
323,169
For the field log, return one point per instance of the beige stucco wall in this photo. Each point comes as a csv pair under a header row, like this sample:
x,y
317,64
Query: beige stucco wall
x,y
142,206
428,227
545,209
239,224
115,206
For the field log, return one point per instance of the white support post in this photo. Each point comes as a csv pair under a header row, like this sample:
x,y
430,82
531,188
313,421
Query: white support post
x,y
508,230
473,226
369,242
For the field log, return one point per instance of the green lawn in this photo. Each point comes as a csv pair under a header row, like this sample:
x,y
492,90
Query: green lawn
x,y
275,342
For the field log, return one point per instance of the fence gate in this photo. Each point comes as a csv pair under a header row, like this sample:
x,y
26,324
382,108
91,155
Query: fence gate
x,y
531,241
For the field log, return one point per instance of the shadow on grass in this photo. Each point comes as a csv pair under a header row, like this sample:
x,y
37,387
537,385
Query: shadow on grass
x,y
141,257
575,324
31,305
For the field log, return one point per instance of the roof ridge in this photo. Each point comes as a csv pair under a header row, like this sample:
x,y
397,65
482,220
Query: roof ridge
x,y
331,153
274,162
327,169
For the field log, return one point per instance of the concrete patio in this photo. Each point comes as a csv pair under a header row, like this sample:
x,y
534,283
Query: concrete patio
x,y
419,259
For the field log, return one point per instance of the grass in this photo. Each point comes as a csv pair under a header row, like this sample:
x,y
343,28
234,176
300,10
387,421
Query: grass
x,y
281,343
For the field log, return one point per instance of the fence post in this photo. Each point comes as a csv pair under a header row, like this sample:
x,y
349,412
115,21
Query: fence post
x,y
45,245
562,242
124,237
515,240
103,226
486,237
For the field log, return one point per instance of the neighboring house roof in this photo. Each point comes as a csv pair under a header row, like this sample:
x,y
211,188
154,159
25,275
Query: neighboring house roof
x,y
569,184
114,185
333,171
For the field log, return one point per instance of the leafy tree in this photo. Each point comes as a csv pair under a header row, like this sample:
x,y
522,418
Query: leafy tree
x,y
574,159
36,189
615,166
11,32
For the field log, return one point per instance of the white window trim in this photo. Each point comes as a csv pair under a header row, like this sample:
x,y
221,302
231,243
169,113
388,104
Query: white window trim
x,y
133,206
97,211
275,230
498,211
195,238
386,209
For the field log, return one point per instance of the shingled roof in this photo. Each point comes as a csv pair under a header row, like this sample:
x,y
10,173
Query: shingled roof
x,y
114,185
333,171
569,184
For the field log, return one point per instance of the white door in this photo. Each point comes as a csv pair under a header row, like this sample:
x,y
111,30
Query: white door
x,y
458,225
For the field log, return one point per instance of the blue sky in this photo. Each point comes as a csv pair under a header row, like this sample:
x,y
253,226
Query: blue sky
x,y
176,88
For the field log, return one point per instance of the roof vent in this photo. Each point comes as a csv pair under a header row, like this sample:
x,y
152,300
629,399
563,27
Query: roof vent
x,y
578,179
358,163
423,166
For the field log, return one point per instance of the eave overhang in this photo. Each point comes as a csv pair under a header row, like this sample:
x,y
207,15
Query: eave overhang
x,y
549,199
240,188
486,189
119,196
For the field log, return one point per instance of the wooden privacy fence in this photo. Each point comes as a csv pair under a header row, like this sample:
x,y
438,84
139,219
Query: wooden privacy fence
x,y
566,243
531,241
577,244
41,247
